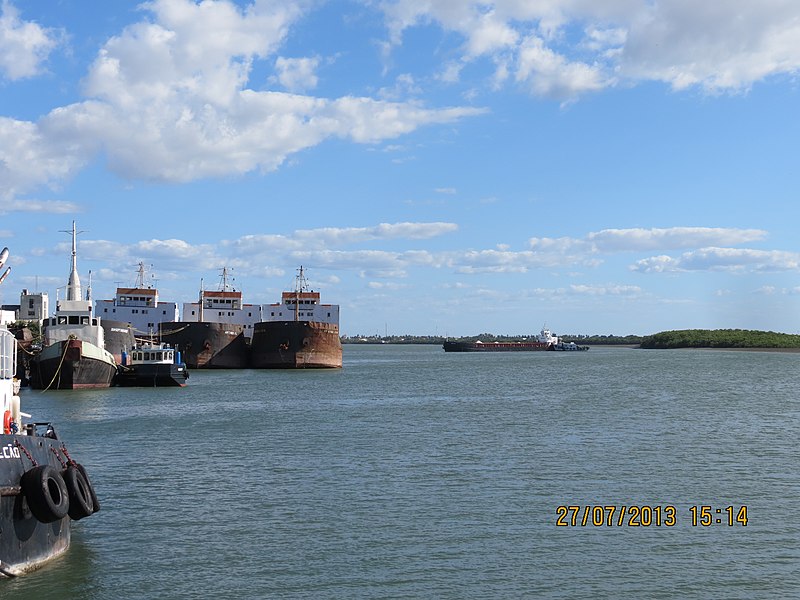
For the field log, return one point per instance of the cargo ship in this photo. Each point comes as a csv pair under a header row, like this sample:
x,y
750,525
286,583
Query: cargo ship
x,y
298,332
215,331
73,354
544,341
42,488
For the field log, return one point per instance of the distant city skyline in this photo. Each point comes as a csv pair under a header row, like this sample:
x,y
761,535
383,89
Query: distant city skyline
x,y
437,168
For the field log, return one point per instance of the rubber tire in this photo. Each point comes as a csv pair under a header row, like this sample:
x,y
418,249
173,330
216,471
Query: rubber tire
x,y
95,501
80,498
46,493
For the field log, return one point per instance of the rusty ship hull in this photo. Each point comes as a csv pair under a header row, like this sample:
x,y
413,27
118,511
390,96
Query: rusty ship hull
x,y
207,345
296,345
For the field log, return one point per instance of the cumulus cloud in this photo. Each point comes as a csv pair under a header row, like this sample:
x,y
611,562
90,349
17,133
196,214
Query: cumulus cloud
x,y
24,45
509,261
297,74
639,239
169,99
327,237
39,206
722,259
564,48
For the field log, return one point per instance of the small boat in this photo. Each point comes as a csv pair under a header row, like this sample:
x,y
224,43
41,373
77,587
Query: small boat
x,y
42,488
151,364
570,347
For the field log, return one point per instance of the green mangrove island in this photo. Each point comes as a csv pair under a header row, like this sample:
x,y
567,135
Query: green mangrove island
x,y
721,338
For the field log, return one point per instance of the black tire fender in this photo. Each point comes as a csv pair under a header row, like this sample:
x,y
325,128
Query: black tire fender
x,y
80,498
46,493
95,501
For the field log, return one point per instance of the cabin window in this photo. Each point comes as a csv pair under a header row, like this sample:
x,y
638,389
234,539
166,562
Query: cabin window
x,y
169,355
147,356
84,320
159,355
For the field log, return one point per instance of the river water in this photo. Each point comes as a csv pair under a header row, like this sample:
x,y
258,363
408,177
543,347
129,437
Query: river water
x,y
415,473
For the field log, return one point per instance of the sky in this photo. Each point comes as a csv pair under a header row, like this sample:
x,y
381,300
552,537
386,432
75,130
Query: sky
x,y
438,167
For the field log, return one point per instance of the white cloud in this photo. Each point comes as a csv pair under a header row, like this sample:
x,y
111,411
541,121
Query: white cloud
x,y
628,240
24,45
639,239
39,206
297,74
722,259
550,74
328,237
169,101
564,48
606,290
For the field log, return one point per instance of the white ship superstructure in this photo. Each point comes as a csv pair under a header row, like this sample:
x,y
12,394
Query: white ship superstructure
x,y
301,304
223,306
138,305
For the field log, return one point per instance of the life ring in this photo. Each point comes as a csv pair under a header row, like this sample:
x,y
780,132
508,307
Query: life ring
x,y
95,501
7,420
46,493
80,497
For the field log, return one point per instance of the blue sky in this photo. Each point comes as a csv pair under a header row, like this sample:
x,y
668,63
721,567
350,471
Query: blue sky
x,y
451,167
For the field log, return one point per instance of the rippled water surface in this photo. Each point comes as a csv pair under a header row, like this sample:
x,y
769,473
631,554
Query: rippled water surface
x,y
412,473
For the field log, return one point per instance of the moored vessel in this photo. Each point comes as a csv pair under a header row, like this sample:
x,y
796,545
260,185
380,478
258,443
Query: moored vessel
x,y
214,332
544,341
298,332
152,364
42,488
73,353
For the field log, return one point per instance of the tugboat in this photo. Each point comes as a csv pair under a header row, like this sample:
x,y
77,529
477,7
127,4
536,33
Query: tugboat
x,y
297,333
73,355
152,364
42,488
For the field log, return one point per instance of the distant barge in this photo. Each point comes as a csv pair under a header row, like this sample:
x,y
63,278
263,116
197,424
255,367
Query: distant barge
x,y
545,341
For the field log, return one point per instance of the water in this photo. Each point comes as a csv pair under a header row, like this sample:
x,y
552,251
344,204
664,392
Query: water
x,y
412,473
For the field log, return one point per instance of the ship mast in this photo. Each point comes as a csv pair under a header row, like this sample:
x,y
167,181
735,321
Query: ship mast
x,y
74,284
300,286
140,277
